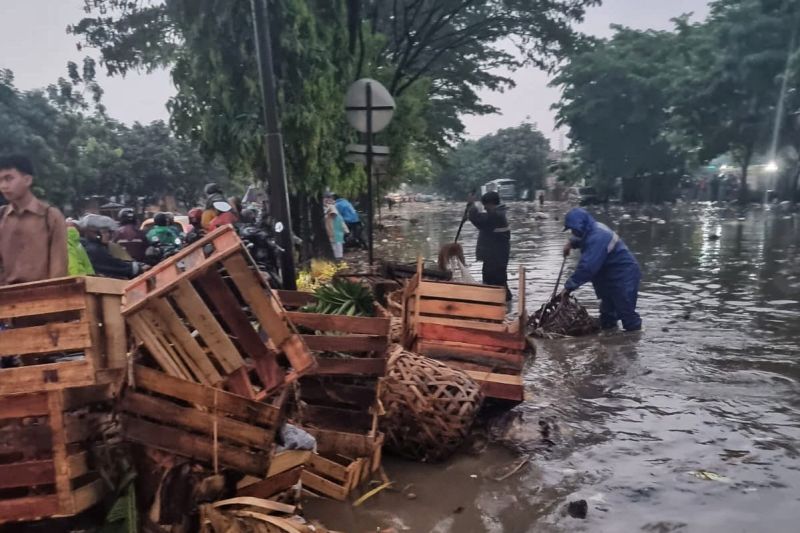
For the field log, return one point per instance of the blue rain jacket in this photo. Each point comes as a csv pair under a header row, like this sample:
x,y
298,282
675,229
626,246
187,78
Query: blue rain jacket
x,y
347,211
605,260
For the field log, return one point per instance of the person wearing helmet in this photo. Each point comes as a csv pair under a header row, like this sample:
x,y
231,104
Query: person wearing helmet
x,y
225,215
494,239
164,232
97,233
196,220
213,194
129,236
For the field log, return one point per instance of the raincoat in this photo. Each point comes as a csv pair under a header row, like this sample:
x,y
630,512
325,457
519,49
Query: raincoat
x,y
78,263
609,265
494,245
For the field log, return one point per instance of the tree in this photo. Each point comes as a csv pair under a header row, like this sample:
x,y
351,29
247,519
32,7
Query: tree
x,y
518,153
616,102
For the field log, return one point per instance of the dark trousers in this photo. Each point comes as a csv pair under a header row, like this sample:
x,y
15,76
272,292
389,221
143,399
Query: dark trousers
x,y
618,302
357,234
495,272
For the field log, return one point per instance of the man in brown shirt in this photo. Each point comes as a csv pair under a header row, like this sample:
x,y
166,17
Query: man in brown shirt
x,y
33,234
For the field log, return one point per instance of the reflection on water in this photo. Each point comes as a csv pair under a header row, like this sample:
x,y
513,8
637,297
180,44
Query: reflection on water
x,y
711,385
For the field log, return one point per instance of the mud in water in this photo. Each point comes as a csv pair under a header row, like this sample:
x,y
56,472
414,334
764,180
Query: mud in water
x,y
690,425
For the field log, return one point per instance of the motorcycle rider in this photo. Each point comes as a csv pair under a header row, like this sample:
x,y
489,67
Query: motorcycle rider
x,y
213,194
129,236
225,215
97,233
196,220
163,232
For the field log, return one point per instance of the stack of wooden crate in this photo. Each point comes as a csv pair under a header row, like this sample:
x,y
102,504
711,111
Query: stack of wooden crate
x,y
339,400
466,326
69,341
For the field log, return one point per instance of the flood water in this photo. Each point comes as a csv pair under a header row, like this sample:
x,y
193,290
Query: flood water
x,y
691,425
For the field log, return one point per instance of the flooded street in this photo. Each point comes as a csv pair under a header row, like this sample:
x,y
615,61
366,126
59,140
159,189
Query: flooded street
x,y
691,425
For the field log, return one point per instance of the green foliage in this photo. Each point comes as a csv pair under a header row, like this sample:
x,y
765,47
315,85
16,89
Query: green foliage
x,y
78,155
342,297
518,153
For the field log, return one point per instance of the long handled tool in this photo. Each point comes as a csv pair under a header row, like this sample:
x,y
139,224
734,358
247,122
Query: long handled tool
x,y
463,219
558,281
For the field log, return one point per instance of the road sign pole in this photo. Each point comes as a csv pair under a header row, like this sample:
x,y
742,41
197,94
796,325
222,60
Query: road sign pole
x,y
276,166
370,214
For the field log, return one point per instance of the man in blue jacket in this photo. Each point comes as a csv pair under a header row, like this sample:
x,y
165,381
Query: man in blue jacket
x,y
609,265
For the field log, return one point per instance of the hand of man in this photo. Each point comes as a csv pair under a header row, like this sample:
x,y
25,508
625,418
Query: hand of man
x,y
471,198
567,249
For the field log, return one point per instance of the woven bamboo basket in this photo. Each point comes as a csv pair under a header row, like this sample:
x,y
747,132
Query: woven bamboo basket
x,y
429,406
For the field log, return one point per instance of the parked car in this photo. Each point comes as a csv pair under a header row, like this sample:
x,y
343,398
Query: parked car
x,y
582,196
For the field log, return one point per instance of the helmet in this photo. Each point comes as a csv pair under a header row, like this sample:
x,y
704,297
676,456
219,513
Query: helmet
x,y
212,188
161,219
126,216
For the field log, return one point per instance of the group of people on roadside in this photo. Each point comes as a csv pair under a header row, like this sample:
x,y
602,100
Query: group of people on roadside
x,y
37,242
605,260
342,221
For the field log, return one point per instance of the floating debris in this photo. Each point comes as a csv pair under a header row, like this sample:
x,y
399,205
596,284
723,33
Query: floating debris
x,y
562,317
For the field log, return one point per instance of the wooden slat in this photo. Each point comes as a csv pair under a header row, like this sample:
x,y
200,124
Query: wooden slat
x,y
41,298
476,367
272,485
27,474
295,299
259,299
116,339
461,323
326,467
446,350
299,355
28,508
322,486
345,443
109,286
54,337
340,323
78,465
198,314
329,366
455,309
288,460
57,426
463,292
22,405
146,328
193,446
470,336
256,412
50,376
346,343
87,496
193,355
238,324
168,413
500,386
184,265
97,351
238,382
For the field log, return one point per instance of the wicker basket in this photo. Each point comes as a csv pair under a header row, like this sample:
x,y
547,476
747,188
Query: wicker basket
x,y
429,406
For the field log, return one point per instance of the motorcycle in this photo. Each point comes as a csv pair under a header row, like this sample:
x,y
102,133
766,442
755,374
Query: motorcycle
x,y
157,251
265,250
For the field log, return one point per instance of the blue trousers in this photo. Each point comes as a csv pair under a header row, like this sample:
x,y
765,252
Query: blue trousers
x,y
618,302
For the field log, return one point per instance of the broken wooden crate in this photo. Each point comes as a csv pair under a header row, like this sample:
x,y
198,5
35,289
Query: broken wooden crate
x,y
284,474
203,314
199,422
343,463
47,442
65,332
465,326
341,393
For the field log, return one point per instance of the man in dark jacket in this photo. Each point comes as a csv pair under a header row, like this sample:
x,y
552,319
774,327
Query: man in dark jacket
x,y
609,265
494,239
97,230
129,236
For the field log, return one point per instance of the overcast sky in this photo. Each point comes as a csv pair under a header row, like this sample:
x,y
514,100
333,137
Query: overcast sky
x,y
36,47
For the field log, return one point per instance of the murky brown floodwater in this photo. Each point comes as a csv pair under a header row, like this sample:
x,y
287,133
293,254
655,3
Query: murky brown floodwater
x,y
710,385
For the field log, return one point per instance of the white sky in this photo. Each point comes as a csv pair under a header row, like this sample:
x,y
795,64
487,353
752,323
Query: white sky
x,y
36,47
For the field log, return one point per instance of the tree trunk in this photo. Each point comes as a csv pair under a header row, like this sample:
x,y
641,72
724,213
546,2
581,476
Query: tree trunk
x,y
744,194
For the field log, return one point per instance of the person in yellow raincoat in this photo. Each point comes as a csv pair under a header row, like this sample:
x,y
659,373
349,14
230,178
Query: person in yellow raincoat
x,y
78,263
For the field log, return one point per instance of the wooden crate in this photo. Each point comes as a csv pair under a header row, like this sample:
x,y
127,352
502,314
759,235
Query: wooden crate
x,y
341,393
200,422
206,315
47,468
466,327
66,332
343,462
284,473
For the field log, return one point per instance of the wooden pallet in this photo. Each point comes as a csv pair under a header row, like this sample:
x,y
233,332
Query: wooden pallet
x,y
66,332
206,315
465,326
47,439
200,422
351,352
343,462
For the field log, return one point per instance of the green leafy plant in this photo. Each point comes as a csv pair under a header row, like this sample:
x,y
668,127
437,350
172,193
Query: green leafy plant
x,y
342,297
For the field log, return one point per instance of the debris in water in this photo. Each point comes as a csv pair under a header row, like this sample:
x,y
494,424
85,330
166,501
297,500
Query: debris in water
x,y
713,237
562,317
578,509
707,475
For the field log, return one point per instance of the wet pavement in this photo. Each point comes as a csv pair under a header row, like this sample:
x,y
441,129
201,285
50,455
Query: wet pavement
x,y
691,425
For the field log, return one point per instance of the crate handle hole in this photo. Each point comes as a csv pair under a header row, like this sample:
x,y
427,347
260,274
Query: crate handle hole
x,y
50,376
181,266
151,283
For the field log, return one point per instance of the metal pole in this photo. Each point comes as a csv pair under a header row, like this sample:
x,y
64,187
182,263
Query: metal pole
x,y
370,214
276,166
